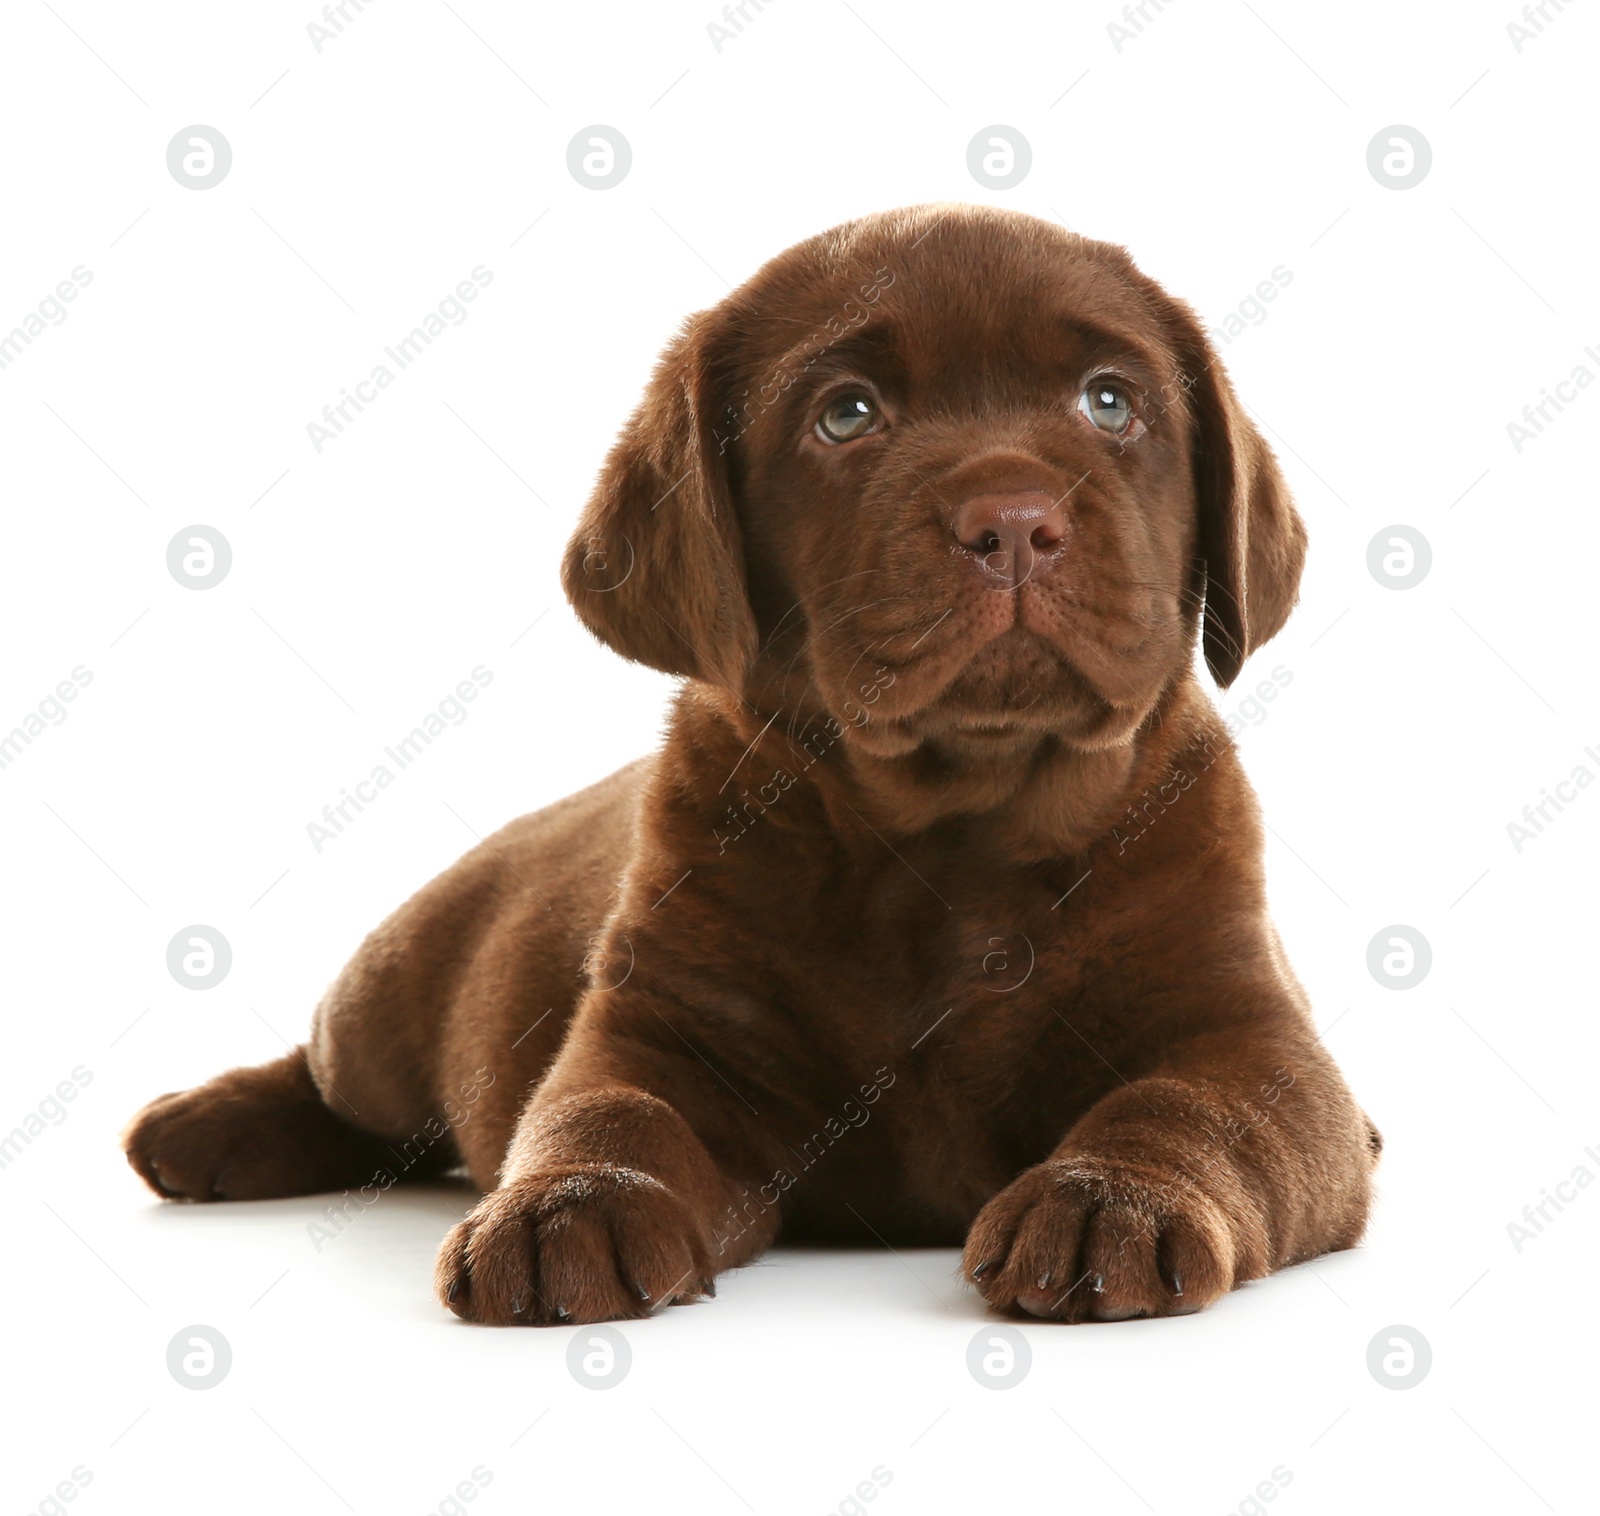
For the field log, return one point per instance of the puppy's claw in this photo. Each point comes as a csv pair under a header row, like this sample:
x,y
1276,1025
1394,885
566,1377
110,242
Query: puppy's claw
x,y
516,1307
985,1267
1177,1283
455,1289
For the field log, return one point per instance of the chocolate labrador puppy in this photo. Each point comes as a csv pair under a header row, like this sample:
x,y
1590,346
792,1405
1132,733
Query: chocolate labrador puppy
x,y
939,916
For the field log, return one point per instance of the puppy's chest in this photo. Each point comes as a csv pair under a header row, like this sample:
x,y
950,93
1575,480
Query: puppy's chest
x,y
974,989
962,1037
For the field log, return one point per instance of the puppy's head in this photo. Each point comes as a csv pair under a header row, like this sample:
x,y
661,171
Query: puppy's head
x,y
959,458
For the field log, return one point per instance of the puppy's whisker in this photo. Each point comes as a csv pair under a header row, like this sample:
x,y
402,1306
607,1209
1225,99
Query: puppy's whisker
x,y
859,656
810,648
843,579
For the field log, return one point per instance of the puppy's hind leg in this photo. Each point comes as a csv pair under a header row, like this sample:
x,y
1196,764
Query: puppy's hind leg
x,y
254,1134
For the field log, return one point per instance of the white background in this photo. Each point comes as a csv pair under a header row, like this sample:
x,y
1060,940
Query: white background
x,y
367,580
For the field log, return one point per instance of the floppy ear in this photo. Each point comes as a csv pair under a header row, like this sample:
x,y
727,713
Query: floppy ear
x,y
1251,537
655,568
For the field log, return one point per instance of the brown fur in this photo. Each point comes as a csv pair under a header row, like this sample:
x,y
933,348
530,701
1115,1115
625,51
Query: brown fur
x,y
939,916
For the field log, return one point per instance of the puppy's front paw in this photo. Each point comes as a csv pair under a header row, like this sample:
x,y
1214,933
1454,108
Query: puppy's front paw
x,y
250,1134
1084,1239
585,1243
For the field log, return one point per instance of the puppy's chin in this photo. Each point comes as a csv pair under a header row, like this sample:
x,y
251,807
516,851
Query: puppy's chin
x,y
968,726
997,744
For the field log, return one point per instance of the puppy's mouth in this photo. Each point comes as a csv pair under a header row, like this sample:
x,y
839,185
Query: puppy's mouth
x,y
1003,697
1071,657
1019,682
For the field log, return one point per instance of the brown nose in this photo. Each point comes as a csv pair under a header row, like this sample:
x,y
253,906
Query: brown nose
x,y
1007,533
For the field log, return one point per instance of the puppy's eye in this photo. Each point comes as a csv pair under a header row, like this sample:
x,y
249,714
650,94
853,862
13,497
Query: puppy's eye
x,y
1107,406
849,416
